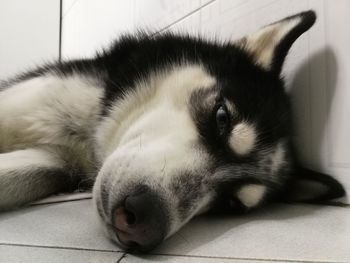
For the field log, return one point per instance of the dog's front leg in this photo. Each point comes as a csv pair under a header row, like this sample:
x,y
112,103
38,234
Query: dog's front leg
x,y
30,174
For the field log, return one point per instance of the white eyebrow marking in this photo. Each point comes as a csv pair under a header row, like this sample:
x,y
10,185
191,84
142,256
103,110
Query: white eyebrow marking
x,y
243,137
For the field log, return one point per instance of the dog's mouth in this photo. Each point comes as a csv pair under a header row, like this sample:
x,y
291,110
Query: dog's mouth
x,y
124,241
127,243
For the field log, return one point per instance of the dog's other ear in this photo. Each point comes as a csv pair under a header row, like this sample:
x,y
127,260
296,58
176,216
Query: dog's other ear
x,y
269,46
312,187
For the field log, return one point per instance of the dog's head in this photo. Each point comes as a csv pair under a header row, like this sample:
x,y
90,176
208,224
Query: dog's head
x,y
206,129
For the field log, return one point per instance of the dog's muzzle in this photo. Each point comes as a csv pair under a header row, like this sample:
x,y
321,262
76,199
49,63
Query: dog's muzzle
x,y
140,221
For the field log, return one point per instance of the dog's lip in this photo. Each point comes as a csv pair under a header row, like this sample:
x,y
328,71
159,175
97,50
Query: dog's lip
x,y
120,233
119,240
130,246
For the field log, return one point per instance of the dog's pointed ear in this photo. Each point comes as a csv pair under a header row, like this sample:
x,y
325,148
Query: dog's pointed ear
x,y
269,46
310,186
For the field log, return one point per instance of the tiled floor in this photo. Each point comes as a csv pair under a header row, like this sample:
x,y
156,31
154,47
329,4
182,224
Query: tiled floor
x,y
70,232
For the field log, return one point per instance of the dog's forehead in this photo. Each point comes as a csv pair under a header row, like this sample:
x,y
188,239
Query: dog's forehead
x,y
178,83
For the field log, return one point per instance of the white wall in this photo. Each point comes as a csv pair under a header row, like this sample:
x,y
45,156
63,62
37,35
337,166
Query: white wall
x,y
29,34
89,25
317,69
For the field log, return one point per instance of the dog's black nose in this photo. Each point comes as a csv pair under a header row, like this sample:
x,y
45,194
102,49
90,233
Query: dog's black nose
x,y
141,221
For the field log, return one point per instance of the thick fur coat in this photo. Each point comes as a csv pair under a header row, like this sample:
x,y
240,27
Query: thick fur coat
x,y
164,127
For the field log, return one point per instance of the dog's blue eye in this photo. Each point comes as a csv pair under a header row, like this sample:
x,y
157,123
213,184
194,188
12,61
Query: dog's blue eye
x,y
222,119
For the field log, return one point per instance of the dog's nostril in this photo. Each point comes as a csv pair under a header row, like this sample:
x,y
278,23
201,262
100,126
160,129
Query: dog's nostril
x,y
130,217
123,218
120,219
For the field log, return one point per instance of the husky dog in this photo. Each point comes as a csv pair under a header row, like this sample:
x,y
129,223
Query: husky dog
x,y
164,127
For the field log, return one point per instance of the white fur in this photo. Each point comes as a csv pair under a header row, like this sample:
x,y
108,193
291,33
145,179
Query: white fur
x,y
243,137
201,208
20,170
157,139
39,110
168,90
251,195
263,43
26,159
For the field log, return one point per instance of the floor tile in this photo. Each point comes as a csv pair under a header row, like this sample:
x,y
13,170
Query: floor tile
x,y
182,259
69,224
19,254
290,232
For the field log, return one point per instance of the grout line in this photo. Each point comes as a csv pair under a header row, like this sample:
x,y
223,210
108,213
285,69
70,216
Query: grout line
x,y
69,8
60,33
327,131
121,258
168,255
183,17
60,201
58,247
247,259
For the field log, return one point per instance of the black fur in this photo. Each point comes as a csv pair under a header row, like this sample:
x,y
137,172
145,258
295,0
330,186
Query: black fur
x,y
308,18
